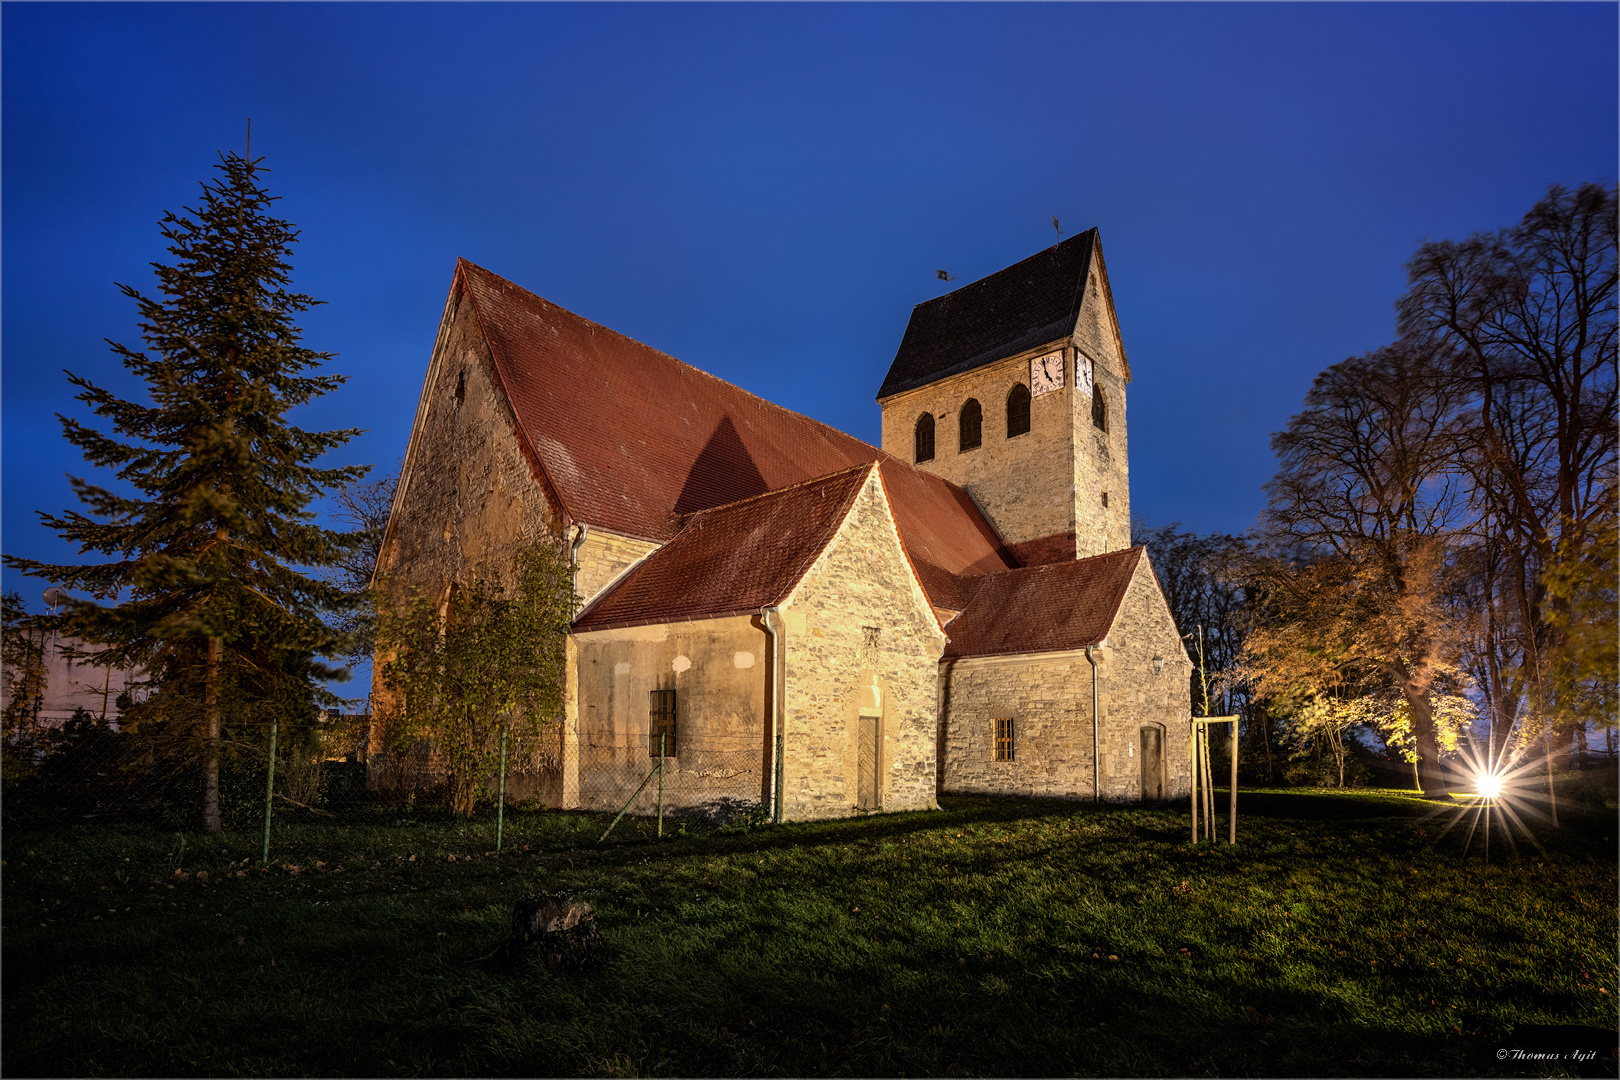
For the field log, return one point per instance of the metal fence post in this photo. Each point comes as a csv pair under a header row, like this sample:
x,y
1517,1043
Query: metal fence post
x,y
662,746
500,802
269,793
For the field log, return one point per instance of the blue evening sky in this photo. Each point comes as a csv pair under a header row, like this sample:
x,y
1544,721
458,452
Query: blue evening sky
x,y
765,191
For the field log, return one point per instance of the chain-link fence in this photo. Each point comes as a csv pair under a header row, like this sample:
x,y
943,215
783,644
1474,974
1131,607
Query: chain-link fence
x,y
88,770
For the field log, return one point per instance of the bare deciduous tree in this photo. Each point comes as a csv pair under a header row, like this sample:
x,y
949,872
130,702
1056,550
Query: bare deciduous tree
x,y
1526,320
364,507
1357,540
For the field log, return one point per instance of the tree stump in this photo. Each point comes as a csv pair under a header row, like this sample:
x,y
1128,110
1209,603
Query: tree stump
x,y
562,927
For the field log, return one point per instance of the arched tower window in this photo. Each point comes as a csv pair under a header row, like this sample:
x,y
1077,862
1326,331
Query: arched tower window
x,y
1099,409
925,437
969,424
1018,411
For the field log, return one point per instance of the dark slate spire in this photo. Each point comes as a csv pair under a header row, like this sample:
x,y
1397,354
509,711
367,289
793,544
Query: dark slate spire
x,y
1025,305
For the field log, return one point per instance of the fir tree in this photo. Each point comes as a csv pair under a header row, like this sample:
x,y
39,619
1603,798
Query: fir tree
x,y
205,559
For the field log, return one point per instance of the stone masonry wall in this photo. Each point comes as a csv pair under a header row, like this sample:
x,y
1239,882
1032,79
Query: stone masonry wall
x,y
862,583
1101,460
603,557
1137,697
718,670
1023,483
1048,697
470,502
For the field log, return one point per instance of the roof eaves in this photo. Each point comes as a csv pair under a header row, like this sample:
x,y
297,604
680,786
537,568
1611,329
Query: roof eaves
x,y
1051,332
1038,654
631,623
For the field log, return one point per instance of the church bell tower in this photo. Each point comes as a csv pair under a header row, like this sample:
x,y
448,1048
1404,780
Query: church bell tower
x,y
1014,388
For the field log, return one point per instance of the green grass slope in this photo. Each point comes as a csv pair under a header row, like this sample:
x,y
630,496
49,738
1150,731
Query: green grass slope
x,y
1347,934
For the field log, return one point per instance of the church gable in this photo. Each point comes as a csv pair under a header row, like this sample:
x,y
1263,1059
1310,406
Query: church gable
x,y
469,496
861,667
1101,479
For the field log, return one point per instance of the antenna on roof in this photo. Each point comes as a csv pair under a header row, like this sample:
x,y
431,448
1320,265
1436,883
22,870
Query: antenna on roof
x,y
943,276
1056,227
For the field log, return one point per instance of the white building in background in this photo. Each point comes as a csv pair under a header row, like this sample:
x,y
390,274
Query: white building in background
x,y
70,683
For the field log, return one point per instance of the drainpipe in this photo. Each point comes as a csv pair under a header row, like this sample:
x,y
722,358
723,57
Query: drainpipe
x,y
580,532
568,734
765,614
1096,758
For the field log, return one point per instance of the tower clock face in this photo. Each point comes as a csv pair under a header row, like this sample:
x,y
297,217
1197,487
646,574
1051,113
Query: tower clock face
x,y
1046,373
1083,373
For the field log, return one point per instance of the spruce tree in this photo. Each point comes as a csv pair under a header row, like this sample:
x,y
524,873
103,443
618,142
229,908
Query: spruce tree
x,y
205,557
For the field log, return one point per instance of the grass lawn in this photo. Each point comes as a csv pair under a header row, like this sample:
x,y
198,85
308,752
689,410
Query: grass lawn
x,y
1343,936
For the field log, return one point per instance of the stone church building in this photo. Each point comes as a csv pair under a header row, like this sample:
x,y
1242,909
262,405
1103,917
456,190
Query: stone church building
x,y
795,617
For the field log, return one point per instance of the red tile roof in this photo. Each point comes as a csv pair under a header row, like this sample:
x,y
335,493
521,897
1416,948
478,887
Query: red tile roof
x,y
1059,547
1043,608
631,440
733,559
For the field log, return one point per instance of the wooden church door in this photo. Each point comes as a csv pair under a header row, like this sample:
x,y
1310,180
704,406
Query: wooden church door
x,y
866,765
1152,758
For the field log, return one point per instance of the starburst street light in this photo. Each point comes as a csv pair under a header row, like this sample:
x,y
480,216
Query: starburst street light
x,y
1498,792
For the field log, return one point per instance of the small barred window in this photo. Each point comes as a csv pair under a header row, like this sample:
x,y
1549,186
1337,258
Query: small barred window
x,y
661,724
1004,740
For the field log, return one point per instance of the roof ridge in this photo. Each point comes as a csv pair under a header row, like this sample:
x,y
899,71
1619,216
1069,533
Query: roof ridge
x,y
880,453
759,401
1056,566
687,518
1004,269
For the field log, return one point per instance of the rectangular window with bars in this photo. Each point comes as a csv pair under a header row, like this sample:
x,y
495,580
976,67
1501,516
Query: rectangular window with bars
x,y
1004,740
661,724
